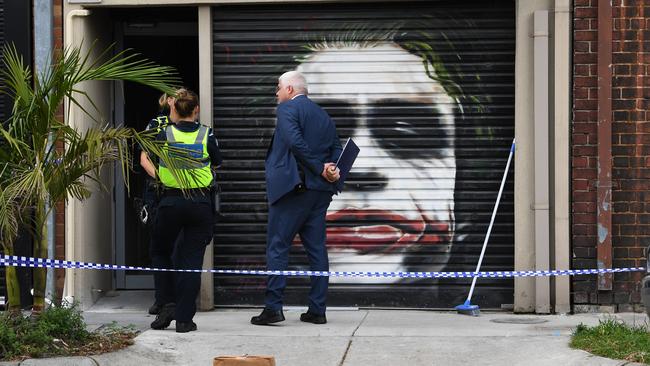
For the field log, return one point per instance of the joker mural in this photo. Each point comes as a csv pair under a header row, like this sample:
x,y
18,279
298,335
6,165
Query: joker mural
x,y
399,195
426,90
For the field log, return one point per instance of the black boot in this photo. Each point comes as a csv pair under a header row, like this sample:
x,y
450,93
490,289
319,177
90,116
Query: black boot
x,y
268,317
165,317
310,317
155,308
184,327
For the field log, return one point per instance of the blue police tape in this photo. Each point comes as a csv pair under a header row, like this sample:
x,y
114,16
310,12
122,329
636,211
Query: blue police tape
x,y
17,261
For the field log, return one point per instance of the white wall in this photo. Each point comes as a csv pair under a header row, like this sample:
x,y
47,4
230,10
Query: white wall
x,y
89,227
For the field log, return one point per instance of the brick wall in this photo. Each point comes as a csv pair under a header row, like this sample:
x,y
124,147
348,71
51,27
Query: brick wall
x,y
630,149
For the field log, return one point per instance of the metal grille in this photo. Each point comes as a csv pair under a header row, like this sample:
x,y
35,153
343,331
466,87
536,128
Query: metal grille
x,y
426,89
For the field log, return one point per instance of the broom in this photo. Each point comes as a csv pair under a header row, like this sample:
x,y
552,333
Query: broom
x,y
467,308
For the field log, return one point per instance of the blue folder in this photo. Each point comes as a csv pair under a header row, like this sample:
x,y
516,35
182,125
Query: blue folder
x,y
347,158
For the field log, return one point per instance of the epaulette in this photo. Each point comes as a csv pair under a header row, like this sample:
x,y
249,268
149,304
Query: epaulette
x,y
161,122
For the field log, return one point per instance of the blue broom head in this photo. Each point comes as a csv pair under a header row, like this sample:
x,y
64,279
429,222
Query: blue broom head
x,y
466,306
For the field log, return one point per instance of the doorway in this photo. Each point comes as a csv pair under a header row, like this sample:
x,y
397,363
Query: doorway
x,y
169,37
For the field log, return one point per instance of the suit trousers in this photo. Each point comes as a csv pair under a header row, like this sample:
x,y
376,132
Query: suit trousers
x,y
303,214
195,220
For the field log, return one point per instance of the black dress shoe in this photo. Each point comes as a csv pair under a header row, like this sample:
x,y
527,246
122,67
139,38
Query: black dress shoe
x,y
155,308
165,317
310,317
184,327
267,317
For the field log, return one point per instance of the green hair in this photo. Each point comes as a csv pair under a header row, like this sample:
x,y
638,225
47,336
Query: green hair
x,y
418,43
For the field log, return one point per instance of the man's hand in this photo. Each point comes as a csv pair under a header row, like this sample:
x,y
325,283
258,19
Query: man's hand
x,y
331,173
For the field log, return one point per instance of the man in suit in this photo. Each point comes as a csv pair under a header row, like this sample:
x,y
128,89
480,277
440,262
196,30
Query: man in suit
x,y
300,181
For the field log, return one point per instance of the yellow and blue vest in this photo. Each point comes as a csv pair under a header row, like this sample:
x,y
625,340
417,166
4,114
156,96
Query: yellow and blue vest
x,y
193,145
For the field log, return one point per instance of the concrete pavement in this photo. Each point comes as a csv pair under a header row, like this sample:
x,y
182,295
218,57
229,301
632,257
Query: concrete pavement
x,y
353,338
371,337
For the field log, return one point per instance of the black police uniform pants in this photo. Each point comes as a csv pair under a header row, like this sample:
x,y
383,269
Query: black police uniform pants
x,y
195,219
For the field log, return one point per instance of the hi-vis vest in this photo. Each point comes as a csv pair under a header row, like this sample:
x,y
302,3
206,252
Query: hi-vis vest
x,y
195,174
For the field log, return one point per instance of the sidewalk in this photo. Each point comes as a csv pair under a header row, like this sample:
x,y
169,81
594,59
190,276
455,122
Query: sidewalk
x,y
352,338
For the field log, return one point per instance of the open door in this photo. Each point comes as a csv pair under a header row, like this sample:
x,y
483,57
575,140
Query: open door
x,y
167,36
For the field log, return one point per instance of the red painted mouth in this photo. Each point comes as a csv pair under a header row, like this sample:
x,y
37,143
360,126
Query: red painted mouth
x,y
382,231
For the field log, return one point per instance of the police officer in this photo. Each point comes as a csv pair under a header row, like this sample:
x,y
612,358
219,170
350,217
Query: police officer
x,y
185,206
151,190
150,194
156,124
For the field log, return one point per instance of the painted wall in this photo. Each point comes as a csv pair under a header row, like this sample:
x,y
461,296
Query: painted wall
x,y
426,91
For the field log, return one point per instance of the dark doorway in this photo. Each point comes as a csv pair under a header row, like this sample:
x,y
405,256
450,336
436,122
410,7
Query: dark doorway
x,y
167,37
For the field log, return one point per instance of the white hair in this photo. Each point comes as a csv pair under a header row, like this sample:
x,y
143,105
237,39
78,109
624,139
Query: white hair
x,y
295,79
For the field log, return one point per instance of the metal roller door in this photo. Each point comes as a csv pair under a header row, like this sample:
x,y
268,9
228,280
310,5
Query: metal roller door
x,y
426,89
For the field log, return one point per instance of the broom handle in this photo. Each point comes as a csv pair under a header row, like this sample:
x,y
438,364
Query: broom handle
x,y
494,213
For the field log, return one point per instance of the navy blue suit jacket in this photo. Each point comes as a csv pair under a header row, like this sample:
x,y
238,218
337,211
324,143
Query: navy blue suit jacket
x,y
306,135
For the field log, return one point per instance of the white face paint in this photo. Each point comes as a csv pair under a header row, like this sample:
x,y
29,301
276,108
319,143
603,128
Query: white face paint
x,y
373,228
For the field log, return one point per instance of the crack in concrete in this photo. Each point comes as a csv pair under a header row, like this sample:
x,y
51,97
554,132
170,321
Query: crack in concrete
x,y
347,349
345,354
360,323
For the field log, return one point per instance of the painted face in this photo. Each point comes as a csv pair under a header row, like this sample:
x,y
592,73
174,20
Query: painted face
x,y
399,198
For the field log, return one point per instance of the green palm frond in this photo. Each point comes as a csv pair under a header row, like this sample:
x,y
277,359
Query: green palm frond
x,y
15,75
9,216
32,170
27,181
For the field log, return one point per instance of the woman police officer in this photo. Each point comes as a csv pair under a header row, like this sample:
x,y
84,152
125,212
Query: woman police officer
x,y
185,205
150,196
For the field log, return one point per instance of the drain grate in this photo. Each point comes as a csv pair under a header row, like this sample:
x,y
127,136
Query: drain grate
x,y
519,320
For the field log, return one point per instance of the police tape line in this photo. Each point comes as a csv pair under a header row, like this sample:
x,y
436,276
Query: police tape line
x,y
18,261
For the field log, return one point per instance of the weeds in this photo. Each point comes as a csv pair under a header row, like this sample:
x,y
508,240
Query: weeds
x,y
58,331
613,338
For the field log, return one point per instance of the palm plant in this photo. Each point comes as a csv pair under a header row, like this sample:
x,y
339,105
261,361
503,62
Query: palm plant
x,y
34,174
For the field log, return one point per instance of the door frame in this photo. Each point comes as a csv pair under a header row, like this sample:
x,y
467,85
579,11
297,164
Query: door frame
x,y
123,280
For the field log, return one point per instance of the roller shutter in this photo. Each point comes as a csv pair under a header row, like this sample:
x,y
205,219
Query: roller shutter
x,y
427,91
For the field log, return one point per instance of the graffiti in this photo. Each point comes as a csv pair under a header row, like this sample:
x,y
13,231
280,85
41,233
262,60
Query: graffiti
x,y
398,195
427,95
